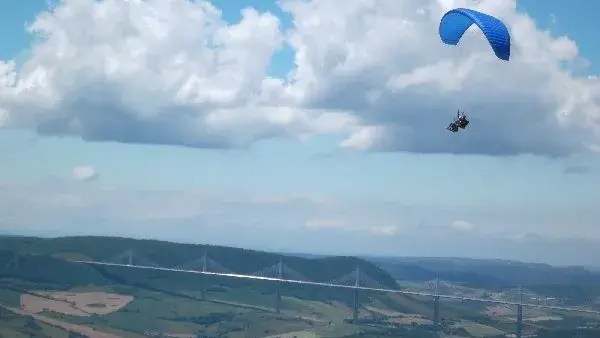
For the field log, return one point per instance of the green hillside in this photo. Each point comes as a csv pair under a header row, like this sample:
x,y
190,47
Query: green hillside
x,y
572,285
48,262
490,272
170,255
179,302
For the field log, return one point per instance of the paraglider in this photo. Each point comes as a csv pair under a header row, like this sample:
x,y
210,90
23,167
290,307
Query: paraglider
x,y
455,23
460,121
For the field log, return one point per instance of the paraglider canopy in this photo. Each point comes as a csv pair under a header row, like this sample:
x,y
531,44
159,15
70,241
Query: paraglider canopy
x,y
456,21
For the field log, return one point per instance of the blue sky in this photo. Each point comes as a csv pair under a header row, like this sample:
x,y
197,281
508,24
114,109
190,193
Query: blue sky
x,y
507,195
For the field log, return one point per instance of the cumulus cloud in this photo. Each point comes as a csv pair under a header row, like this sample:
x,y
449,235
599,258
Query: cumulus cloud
x,y
394,51
174,72
84,173
165,72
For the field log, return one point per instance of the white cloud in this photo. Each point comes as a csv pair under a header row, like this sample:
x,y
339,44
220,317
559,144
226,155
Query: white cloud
x,y
168,72
354,224
325,223
394,50
84,173
386,230
173,72
462,226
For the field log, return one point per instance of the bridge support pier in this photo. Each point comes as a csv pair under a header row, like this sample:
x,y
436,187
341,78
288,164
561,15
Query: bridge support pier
x,y
280,275
203,287
519,328
436,305
436,312
355,306
204,275
355,300
278,299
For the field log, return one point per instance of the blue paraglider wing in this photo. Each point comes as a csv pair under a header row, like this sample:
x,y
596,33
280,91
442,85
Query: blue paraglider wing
x,y
456,21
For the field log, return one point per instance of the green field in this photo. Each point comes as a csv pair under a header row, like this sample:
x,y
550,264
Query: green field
x,y
153,311
479,330
16,326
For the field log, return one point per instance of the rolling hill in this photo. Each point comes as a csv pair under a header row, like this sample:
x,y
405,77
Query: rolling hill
x,y
576,283
38,272
50,263
171,255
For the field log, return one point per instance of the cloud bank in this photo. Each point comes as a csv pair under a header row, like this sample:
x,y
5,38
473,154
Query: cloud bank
x,y
175,73
55,207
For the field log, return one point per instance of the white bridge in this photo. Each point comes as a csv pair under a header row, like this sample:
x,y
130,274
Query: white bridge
x,y
354,287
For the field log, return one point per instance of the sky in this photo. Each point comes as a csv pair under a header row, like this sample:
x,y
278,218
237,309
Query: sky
x,y
303,126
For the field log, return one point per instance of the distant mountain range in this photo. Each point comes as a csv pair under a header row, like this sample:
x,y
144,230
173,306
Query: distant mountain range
x,y
485,272
576,283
